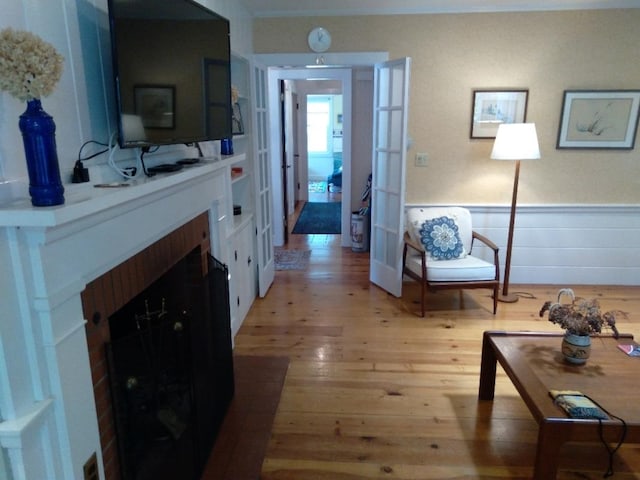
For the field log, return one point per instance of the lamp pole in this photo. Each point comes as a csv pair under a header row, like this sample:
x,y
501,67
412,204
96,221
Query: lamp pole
x,y
506,296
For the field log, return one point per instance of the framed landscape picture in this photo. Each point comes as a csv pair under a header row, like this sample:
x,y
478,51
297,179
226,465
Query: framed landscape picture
x,y
493,107
599,119
155,104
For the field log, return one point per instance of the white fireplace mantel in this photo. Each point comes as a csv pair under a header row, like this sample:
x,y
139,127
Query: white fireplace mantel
x,y
48,255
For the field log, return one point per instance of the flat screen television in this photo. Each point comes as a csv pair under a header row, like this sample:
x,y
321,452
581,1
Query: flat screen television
x,y
172,72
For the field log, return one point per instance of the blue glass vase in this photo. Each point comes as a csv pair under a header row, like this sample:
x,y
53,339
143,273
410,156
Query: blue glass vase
x,y
226,146
38,135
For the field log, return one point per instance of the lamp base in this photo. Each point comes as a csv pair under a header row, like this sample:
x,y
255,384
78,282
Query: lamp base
x,y
508,298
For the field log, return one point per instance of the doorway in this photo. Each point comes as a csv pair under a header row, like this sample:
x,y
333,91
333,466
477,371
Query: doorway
x,y
312,126
324,129
341,77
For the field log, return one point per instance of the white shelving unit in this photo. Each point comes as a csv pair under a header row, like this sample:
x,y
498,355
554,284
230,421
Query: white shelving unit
x,y
240,230
245,240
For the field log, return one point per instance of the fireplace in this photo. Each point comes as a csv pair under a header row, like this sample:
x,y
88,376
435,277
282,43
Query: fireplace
x,y
160,348
67,270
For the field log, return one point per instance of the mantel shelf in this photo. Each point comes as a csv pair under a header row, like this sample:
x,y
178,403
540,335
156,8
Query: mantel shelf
x,y
85,200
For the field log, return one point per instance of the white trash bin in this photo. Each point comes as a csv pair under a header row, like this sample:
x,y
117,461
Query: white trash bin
x,y
359,232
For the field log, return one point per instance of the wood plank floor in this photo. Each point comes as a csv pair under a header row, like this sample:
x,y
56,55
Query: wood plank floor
x,y
375,391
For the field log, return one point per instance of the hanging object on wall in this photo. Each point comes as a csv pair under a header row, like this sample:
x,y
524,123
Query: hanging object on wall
x,y
319,40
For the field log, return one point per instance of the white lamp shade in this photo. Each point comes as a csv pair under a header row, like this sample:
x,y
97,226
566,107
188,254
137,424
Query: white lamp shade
x,y
516,141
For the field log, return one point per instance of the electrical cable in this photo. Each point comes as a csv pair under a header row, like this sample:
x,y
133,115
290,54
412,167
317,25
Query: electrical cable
x,y
144,167
611,451
127,173
603,416
80,172
524,295
88,142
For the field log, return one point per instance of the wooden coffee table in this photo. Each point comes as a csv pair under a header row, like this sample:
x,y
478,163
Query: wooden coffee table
x,y
534,364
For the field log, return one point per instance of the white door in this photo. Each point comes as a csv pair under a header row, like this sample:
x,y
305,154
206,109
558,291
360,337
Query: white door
x,y
296,153
262,168
289,146
390,108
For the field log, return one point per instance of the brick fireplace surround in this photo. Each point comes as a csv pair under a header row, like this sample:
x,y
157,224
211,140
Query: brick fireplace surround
x,y
54,260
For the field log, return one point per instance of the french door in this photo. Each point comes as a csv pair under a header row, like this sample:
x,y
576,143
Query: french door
x,y
390,107
262,168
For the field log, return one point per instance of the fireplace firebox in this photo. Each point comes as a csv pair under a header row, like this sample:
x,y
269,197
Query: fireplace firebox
x,y
170,370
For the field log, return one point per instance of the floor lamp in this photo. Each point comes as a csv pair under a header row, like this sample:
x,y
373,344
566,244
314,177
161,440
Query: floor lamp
x,y
514,141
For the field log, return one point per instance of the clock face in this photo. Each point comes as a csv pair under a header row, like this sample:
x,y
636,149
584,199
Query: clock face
x,y
319,40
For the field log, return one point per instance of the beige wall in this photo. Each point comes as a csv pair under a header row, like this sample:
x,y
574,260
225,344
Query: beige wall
x,y
546,52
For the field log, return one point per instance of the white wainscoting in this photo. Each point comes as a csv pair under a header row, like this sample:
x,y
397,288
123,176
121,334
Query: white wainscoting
x,y
565,244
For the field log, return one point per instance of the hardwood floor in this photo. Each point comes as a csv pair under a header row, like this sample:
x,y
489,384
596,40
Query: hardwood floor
x,y
375,391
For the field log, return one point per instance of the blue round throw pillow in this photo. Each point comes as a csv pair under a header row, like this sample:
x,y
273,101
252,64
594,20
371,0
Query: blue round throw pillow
x,y
441,239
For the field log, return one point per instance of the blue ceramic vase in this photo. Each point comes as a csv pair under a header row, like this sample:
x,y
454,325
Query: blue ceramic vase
x,y
38,135
576,348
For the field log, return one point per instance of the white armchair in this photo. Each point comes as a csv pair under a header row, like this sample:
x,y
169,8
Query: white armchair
x,y
437,252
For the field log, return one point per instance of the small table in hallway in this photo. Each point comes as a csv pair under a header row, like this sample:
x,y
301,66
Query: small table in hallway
x,y
534,364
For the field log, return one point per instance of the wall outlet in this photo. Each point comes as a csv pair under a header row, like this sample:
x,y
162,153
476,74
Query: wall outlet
x,y
421,159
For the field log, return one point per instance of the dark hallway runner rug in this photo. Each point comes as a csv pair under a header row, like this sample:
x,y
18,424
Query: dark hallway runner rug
x,y
319,218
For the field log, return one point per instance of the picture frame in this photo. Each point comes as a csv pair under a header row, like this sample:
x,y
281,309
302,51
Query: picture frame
x,y
237,126
492,107
155,105
599,119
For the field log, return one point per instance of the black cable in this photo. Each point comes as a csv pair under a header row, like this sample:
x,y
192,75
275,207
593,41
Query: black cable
x,y
88,142
524,295
196,145
610,450
144,167
80,173
600,415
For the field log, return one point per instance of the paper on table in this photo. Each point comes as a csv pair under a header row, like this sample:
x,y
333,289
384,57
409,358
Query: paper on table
x,y
631,350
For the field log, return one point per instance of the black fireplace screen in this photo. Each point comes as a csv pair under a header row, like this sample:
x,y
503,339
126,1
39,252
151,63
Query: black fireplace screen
x,y
171,371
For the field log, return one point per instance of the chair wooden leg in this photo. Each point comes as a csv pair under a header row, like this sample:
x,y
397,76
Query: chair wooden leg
x,y
495,298
423,295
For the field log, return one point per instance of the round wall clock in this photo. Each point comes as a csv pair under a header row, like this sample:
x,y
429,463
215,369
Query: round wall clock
x,y
319,40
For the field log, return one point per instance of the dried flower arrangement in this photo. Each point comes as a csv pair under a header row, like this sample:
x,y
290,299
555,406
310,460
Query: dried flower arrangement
x,y
235,94
29,67
581,316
